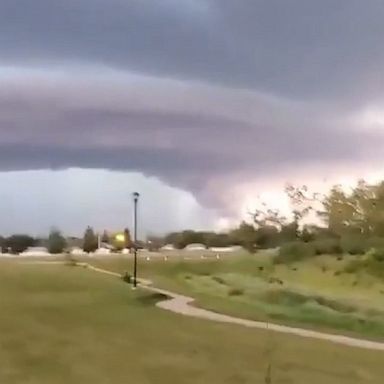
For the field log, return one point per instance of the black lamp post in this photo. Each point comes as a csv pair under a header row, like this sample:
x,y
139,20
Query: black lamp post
x,y
135,201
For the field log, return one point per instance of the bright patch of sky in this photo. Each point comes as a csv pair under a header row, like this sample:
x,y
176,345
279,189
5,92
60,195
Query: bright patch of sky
x,y
75,198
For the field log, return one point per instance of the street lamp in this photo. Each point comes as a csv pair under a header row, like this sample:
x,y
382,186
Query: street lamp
x,y
135,201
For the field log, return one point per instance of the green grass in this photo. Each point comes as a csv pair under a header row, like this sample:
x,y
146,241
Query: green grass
x,y
61,324
314,293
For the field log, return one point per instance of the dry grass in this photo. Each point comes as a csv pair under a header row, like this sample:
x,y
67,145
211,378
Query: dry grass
x,y
61,324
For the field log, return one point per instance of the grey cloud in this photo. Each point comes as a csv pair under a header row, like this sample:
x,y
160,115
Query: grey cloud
x,y
210,138
307,65
299,48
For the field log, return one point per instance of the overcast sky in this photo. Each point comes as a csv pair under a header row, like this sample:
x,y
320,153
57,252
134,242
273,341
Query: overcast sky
x,y
200,105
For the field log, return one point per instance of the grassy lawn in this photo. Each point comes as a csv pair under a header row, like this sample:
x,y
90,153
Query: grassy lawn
x,y
61,324
313,293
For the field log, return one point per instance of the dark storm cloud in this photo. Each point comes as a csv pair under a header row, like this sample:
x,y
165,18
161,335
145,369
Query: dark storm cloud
x,y
296,47
68,96
191,136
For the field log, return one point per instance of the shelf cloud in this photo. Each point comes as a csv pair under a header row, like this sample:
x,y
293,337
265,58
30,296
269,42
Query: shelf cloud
x,y
201,94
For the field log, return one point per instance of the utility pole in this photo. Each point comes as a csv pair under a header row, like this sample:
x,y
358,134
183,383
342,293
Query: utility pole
x,y
135,201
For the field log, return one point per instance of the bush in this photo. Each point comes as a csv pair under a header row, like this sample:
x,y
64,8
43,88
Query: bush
x,y
127,277
275,280
292,298
294,251
353,245
56,242
375,242
372,263
151,299
355,266
218,279
376,254
327,247
235,292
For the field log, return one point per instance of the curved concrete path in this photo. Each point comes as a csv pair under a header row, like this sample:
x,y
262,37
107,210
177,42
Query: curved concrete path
x,y
183,305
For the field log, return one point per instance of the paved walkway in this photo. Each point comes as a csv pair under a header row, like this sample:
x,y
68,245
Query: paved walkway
x,y
183,305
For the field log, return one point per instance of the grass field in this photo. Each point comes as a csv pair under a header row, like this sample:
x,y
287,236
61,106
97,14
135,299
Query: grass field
x,y
314,293
61,324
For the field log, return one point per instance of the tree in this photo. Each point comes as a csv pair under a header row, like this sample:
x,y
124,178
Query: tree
x,y
105,237
172,238
245,235
267,217
2,244
182,239
307,235
340,212
154,243
213,239
89,240
19,243
289,232
56,242
127,238
267,236
301,202
369,208
359,213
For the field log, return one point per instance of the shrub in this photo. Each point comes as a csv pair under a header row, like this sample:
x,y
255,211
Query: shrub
x,y
338,306
376,254
151,299
284,297
327,247
56,242
375,242
355,266
372,264
294,251
218,279
235,292
127,277
275,280
353,245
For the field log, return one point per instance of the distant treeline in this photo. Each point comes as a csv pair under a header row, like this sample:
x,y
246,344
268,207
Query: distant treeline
x,y
57,243
348,222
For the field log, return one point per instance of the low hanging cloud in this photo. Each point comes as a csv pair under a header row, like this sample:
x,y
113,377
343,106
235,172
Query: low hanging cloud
x,y
202,94
192,136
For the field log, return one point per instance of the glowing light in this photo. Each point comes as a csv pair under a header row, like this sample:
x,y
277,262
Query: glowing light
x,y
120,237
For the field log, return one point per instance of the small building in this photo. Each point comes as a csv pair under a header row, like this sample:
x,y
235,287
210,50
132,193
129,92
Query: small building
x,y
77,251
106,246
167,247
35,251
195,247
103,251
233,248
